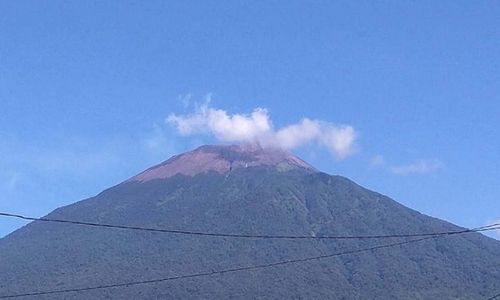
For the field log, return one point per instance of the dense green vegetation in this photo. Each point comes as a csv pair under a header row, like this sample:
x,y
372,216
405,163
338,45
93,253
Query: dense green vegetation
x,y
261,200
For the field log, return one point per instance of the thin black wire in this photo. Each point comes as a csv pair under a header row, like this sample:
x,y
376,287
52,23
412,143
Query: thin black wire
x,y
494,297
248,268
249,236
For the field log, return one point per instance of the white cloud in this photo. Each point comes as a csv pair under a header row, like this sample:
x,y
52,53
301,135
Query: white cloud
x,y
295,135
257,127
418,167
339,139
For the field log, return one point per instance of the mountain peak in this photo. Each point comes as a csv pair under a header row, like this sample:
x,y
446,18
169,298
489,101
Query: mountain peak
x,y
222,159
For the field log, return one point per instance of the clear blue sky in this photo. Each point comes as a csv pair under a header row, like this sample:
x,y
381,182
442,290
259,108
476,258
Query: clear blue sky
x,y
85,87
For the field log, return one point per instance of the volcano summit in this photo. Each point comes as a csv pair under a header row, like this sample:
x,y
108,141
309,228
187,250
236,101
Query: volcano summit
x,y
222,159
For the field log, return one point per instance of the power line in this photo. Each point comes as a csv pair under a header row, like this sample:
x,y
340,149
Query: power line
x,y
494,297
249,236
248,268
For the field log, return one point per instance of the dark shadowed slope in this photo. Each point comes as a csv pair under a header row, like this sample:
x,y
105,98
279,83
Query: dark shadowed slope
x,y
251,196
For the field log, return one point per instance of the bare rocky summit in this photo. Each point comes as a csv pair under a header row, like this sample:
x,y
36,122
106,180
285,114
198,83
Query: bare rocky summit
x,y
222,159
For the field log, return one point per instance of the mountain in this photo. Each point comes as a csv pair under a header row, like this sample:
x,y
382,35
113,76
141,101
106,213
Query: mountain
x,y
244,189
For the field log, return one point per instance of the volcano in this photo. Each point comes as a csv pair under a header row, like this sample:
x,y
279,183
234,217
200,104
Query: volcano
x,y
243,190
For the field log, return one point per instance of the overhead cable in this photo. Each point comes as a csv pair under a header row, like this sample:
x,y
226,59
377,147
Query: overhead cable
x,y
251,236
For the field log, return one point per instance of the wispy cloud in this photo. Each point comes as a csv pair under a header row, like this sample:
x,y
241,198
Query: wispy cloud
x,y
377,161
9,180
419,167
76,155
158,143
74,160
257,127
185,99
